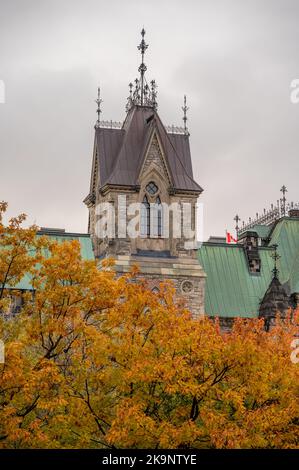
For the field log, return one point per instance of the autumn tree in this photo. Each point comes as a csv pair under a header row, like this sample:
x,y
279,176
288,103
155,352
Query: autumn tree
x,y
95,360
20,251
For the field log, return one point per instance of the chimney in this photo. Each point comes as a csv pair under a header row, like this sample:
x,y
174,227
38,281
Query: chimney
x,y
294,213
249,240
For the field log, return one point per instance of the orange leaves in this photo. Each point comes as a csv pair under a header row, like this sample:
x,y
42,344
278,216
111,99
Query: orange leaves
x,y
20,250
94,360
242,391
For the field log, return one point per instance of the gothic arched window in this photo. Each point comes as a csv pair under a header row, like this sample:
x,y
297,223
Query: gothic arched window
x,y
145,218
151,212
157,218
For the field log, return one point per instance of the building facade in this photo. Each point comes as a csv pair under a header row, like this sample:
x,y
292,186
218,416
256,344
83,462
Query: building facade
x,y
142,198
142,211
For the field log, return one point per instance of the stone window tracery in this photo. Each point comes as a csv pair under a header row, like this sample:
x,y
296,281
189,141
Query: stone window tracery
x,y
151,219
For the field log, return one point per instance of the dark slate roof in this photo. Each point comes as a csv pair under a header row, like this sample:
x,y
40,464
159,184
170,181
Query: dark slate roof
x,y
182,147
121,152
108,143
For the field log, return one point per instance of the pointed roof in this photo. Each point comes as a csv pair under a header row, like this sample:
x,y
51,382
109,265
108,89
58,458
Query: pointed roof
x,y
276,300
121,152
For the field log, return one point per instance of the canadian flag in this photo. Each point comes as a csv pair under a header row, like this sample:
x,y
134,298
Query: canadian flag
x,y
230,238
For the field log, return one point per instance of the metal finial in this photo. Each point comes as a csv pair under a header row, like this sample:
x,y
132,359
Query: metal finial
x,y
283,200
99,102
185,109
275,257
237,220
146,91
142,46
130,97
142,68
154,93
143,94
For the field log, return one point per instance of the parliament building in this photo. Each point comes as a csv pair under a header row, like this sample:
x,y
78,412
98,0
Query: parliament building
x,y
143,163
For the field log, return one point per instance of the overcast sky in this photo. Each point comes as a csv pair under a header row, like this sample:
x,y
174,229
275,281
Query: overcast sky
x,y
234,59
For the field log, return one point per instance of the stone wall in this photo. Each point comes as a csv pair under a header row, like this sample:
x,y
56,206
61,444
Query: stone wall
x,y
187,276
180,265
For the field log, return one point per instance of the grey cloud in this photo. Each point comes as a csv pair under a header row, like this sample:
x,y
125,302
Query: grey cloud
x,y
235,60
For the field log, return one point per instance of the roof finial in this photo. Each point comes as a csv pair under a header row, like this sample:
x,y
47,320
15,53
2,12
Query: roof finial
x,y
276,257
130,97
143,93
131,89
283,200
99,102
154,93
185,109
237,220
142,68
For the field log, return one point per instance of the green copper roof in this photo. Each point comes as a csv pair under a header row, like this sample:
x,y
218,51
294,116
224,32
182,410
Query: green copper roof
x,y
86,252
231,290
84,240
262,230
286,235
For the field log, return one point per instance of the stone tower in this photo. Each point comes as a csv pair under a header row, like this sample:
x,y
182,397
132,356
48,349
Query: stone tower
x,y
142,198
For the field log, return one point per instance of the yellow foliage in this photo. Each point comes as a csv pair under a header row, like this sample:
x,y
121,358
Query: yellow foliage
x,y
94,360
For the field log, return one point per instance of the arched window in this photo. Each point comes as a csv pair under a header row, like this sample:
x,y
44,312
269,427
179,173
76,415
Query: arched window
x,y
145,218
157,218
151,217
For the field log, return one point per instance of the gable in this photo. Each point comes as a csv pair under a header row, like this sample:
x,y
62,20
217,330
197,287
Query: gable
x,y
154,160
138,130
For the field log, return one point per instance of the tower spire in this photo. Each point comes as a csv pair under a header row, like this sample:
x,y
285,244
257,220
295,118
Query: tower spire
x,y
143,94
99,101
185,119
142,67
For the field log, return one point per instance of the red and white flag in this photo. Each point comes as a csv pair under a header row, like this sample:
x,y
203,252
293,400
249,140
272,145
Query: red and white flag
x,y
230,238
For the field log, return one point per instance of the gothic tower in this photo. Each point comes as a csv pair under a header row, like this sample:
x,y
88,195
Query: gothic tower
x,y
142,198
